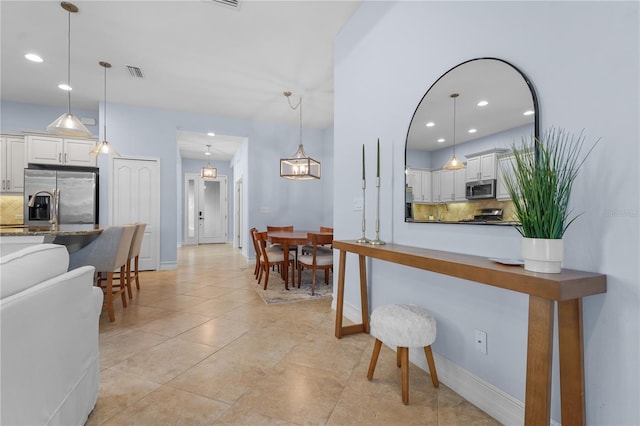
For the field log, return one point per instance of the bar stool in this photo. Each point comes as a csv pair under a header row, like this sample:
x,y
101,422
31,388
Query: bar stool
x,y
108,253
134,255
403,326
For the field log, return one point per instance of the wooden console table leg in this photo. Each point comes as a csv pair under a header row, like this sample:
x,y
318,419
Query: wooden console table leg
x,y
537,406
571,362
340,302
364,297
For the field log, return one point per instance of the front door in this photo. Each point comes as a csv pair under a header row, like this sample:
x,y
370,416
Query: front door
x,y
212,211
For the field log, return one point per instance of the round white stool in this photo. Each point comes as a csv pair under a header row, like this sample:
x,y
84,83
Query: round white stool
x,y
403,326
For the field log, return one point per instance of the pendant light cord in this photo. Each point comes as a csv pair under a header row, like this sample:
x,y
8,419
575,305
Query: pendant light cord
x,y
454,96
105,103
299,104
69,62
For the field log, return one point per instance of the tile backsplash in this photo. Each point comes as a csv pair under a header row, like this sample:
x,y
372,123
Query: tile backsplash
x,y
460,211
11,209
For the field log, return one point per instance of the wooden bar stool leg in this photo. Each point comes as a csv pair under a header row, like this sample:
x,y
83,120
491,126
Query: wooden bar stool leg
x,y
405,375
109,297
398,356
123,285
129,279
432,366
374,358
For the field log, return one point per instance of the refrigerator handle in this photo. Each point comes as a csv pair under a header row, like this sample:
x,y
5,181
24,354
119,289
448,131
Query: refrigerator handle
x,y
66,158
60,158
3,186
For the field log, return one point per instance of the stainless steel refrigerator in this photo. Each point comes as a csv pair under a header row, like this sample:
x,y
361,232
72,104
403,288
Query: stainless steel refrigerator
x,y
78,195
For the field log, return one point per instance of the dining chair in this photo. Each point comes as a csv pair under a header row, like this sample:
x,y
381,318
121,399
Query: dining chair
x,y
318,259
108,253
288,228
256,248
307,248
273,258
134,255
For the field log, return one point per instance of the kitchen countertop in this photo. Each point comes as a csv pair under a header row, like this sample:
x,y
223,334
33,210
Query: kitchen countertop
x,y
462,222
63,230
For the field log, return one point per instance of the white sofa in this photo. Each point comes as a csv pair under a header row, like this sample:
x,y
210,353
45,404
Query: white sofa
x,y
50,369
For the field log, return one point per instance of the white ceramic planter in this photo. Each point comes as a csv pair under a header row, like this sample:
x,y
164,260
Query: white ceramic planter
x,y
542,255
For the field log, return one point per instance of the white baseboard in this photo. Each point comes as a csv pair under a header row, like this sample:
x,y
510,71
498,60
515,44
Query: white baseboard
x,y
493,401
168,266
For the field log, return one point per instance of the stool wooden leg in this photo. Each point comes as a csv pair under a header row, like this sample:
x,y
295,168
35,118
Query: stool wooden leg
x,y
404,359
398,356
109,297
123,285
374,358
432,366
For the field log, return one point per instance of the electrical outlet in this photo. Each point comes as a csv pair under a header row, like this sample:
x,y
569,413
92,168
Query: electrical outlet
x,y
357,204
481,341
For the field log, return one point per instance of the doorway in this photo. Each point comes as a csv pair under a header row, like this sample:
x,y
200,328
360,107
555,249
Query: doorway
x,y
206,219
134,196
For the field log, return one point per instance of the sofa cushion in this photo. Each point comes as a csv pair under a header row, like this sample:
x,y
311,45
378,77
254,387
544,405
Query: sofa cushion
x,y
30,266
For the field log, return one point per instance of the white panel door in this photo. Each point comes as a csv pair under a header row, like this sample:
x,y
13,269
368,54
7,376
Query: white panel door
x,y
212,211
135,197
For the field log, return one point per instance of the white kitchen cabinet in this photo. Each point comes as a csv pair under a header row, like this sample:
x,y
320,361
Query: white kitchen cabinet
x,y
501,189
45,149
420,181
482,166
449,185
12,163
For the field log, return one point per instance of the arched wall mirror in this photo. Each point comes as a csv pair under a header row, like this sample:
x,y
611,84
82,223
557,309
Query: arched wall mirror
x,y
496,107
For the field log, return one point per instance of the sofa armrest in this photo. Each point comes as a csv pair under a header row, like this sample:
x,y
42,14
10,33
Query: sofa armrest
x,y
49,336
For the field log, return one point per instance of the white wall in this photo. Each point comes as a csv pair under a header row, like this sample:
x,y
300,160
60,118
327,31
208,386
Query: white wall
x,y
582,58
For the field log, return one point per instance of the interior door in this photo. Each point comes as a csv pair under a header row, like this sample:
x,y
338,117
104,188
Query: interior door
x,y
191,189
212,211
135,197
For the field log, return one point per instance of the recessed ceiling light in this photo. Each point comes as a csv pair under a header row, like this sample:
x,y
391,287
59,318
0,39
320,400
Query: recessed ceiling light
x,y
430,124
33,57
472,130
441,140
211,134
529,112
64,86
483,103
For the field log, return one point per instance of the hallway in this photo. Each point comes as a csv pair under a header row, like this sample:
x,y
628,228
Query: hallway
x,y
197,345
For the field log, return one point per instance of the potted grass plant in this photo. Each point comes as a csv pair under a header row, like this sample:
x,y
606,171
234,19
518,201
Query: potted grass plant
x,y
539,180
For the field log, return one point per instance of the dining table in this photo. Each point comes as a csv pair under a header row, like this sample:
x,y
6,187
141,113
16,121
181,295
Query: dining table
x,y
290,238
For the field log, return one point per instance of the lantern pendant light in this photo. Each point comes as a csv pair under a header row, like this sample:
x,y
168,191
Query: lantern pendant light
x,y
454,163
104,147
300,166
208,171
68,124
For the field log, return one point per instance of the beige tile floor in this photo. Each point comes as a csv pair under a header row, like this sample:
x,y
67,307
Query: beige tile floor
x,y
197,346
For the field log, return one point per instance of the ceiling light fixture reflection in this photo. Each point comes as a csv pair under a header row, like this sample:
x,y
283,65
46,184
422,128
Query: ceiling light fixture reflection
x,y
33,57
68,124
454,163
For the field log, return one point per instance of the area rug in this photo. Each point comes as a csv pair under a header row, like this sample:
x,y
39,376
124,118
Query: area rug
x,y
276,293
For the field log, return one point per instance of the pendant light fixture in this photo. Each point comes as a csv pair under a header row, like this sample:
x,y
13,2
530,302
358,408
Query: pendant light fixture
x,y
300,166
68,124
454,163
104,147
208,171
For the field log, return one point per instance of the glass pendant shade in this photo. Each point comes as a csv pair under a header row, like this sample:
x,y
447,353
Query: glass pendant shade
x,y
208,172
68,124
454,164
300,166
104,147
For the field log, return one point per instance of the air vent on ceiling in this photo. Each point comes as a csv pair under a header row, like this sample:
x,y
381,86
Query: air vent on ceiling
x,y
230,3
135,72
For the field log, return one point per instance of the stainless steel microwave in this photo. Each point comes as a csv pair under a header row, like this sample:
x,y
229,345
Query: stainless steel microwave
x,y
481,189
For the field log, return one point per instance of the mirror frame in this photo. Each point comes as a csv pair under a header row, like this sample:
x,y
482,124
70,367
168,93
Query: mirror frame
x,y
527,81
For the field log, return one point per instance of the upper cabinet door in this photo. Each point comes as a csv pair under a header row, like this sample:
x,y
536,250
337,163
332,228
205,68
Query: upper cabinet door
x,y
12,163
60,151
76,152
44,149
